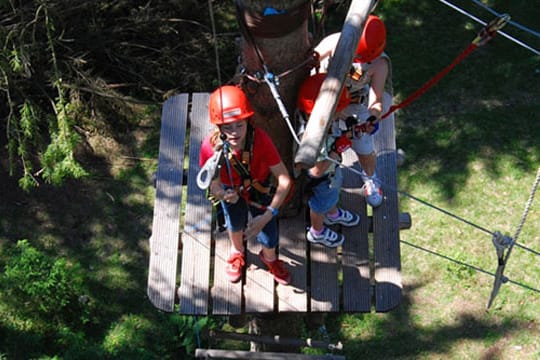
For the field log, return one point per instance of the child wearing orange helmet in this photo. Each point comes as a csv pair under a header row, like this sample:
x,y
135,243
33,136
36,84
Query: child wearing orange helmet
x,y
369,75
324,178
242,184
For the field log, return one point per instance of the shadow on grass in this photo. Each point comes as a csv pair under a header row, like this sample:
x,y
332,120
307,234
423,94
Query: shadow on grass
x,y
395,335
101,222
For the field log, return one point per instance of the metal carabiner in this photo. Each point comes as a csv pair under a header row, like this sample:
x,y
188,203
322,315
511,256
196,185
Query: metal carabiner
x,y
490,29
208,170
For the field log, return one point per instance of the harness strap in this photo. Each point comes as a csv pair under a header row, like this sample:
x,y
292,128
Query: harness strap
x,y
242,167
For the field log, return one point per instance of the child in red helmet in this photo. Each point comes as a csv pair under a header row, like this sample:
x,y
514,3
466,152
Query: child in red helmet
x,y
324,178
366,82
242,186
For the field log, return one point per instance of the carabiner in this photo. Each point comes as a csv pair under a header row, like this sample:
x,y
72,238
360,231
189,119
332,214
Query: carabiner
x,y
490,29
208,170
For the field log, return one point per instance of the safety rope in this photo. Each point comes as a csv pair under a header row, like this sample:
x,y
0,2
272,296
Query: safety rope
x,y
486,34
502,33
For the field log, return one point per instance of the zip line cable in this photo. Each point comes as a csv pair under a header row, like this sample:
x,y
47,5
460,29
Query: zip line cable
x,y
513,23
537,52
459,262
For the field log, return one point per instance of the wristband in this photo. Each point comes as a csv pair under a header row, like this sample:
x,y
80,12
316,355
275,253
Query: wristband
x,y
274,211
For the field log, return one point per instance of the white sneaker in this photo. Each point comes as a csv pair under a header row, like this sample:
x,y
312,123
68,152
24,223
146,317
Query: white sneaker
x,y
345,218
328,238
372,191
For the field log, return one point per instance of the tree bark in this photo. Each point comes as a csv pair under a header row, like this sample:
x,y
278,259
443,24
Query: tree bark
x,y
280,54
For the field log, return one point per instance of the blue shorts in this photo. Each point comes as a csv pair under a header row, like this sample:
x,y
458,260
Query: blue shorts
x,y
236,217
326,194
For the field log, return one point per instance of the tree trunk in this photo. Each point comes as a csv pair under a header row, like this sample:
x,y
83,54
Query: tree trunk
x,y
279,54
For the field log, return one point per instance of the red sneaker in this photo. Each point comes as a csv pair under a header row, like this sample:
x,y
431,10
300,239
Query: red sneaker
x,y
234,268
277,268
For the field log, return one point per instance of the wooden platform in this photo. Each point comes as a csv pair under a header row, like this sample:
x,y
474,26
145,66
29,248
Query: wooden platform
x,y
363,275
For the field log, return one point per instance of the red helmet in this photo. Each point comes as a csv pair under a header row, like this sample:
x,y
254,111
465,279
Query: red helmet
x,y
373,39
228,104
309,90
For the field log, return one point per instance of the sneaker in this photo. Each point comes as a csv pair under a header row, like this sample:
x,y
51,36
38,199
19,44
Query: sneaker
x,y
372,191
345,218
328,238
234,268
277,268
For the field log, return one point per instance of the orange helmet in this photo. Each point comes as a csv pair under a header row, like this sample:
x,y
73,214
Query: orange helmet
x,y
309,90
228,104
373,39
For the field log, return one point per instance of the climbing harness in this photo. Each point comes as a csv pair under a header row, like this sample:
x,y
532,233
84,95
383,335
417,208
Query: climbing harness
x,y
224,155
486,34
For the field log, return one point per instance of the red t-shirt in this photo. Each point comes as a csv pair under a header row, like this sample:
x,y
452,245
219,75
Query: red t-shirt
x,y
264,156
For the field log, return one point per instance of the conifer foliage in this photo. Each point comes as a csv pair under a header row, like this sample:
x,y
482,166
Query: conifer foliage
x,y
66,66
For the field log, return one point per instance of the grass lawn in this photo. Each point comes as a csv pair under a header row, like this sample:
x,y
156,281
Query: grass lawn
x,y
472,149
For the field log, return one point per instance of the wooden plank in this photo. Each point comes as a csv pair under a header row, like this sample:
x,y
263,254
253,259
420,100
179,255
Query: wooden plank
x,y
226,296
292,251
259,289
324,279
166,222
386,222
196,235
355,258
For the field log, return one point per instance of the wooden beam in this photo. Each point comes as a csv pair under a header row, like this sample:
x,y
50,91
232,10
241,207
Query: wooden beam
x,y
164,240
339,67
274,340
240,354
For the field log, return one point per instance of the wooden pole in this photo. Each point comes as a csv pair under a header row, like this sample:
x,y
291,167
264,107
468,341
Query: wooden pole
x,y
319,121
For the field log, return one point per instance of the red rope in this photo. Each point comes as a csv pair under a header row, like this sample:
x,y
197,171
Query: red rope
x,y
432,81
